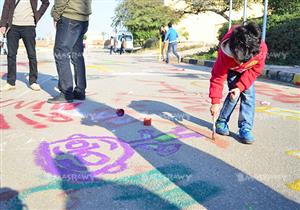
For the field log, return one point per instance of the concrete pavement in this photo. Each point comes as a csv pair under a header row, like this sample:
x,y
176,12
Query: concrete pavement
x,y
83,156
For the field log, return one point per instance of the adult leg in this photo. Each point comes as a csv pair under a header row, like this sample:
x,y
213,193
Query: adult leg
x,y
77,59
13,37
174,48
28,35
67,34
168,53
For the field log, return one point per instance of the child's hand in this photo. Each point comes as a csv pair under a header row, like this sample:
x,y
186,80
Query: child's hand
x,y
2,30
214,109
234,93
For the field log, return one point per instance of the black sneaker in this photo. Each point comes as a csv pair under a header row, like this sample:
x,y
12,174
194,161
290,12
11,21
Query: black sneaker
x,y
59,99
78,96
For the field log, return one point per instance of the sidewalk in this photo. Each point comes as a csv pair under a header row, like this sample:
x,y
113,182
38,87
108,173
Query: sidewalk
x,y
287,74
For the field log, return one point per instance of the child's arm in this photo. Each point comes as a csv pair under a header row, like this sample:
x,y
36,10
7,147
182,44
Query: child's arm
x,y
249,76
219,75
167,36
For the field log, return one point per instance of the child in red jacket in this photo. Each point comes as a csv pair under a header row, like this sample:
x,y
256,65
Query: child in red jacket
x,y
241,59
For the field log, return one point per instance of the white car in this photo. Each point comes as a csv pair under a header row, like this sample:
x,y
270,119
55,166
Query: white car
x,y
128,40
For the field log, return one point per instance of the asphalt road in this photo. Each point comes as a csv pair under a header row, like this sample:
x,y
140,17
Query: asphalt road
x,y
83,156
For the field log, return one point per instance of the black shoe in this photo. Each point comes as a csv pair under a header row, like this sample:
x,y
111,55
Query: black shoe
x,y
59,99
78,96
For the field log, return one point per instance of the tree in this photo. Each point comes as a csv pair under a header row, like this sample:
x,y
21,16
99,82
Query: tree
x,y
143,18
282,7
219,7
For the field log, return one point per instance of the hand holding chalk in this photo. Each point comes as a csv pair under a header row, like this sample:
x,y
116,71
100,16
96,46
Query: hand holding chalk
x,y
214,109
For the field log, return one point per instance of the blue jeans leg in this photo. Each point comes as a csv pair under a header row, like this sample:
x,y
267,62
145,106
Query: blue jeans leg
x,y
247,109
168,53
67,35
229,105
79,64
174,48
227,109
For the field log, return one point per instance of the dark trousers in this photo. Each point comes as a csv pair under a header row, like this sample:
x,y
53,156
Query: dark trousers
x,y
69,48
27,34
111,50
122,50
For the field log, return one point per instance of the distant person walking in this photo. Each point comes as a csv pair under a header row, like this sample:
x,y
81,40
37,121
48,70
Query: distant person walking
x,y
71,19
18,21
172,37
163,36
112,45
115,44
122,50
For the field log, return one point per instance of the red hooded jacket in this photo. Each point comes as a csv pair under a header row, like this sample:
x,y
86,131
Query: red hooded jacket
x,y
250,70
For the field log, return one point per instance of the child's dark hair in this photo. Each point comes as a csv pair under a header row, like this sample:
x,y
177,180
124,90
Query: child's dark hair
x,y
245,41
170,24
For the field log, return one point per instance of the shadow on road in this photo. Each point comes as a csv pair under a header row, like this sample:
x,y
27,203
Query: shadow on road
x,y
213,183
9,199
47,82
86,192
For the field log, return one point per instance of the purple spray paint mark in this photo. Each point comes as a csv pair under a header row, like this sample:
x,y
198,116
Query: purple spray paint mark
x,y
171,140
83,155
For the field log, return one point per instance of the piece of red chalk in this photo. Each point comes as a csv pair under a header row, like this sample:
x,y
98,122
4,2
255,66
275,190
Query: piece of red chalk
x,y
147,121
120,112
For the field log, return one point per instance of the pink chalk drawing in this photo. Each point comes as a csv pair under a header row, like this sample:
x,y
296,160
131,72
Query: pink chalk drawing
x,y
83,155
34,113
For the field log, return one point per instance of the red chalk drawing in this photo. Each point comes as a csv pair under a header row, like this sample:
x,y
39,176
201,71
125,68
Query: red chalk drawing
x,y
30,122
3,123
55,117
176,69
277,94
199,103
3,74
18,104
66,107
35,113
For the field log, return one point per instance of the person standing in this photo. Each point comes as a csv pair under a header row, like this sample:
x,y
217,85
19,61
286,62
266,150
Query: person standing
x,y
122,50
172,36
111,43
115,43
71,19
163,32
18,21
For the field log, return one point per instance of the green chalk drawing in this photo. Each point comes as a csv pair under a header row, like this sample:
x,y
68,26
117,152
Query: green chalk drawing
x,y
166,137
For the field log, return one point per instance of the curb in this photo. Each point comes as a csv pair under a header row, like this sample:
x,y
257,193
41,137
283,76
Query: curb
x,y
277,74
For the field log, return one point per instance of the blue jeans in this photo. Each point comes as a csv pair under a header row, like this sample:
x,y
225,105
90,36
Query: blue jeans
x,y
174,49
247,107
69,47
